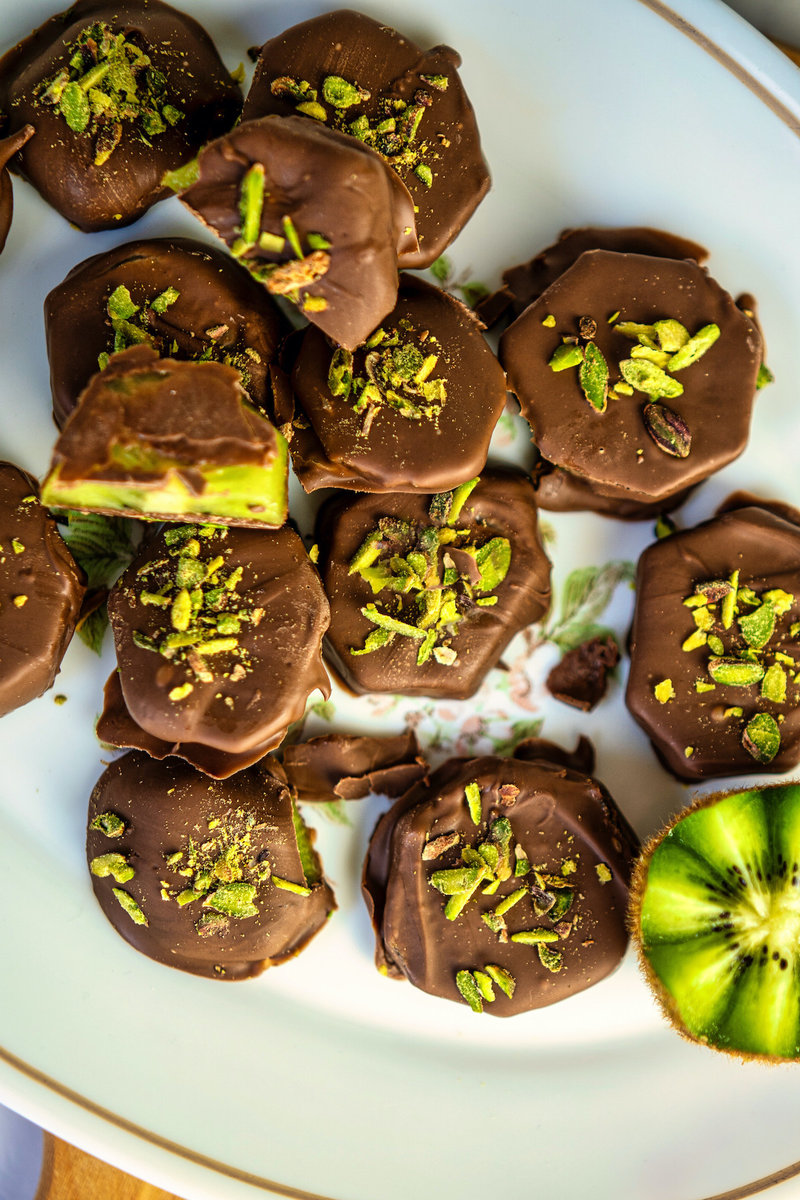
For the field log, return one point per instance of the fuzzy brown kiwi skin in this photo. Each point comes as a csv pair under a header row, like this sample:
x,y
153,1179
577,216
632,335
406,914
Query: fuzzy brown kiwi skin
x,y
634,924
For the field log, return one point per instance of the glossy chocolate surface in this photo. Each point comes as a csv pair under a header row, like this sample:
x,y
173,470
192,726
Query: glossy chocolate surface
x,y
240,670
219,312
8,148
611,451
60,162
579,850
390,67
336,442
41,590
525,283
202,860
172,440
699,734
328,186
350,767
501,506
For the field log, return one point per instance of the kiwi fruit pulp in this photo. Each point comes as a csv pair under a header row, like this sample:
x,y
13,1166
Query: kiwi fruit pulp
x,y
715,914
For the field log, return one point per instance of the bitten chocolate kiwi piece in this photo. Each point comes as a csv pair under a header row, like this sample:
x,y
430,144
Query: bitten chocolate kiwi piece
x,y
217,879
119,95
364,78
218,635
426,592
154,437
41,590
186,300
8,148
715,646
636,374
314,216
412,410
501,884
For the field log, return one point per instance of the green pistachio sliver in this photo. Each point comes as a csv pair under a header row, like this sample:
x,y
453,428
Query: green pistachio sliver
x,y
339,93
493,560
292,236
188,896
165,300
532,937
648,378
764,377
312,108
762,737
671,335
367,553
286,885
373,641
115,865
780,600
109,824
458,879
502,978
593,377
251,202
74,107
460,496
644,334
233,900
773,685
473,795
510,901
120,305
565,356
391,624
659,358
469,990
127,902
181,611
550,959
728,609
758,626
735,672
695,348
484,983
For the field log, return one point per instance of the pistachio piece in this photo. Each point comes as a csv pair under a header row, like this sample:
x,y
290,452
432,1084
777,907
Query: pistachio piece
x,y
773,685
469,990
671,335
668,430
762,737
504,979
233,900
565,356
735,672
695,348
647,377
757,627
127,902
593,376
115,865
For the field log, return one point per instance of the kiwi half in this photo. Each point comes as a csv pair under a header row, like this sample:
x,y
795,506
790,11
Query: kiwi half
x,y
715,915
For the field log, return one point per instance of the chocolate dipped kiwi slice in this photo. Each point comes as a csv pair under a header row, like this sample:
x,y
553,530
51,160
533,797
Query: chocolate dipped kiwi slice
x,y
715,913
172,440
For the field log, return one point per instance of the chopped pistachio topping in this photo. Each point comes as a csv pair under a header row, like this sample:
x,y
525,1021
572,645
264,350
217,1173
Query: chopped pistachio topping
x,y
391,129
109,83
664,691
473,795
466,984
603,872
127,902
531,937
427,579
286,885
397,372
109,824
593,377
115,865
762,737
504,980
567,355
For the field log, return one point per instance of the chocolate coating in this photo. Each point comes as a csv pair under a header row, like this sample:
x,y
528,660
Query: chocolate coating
x,y
525,283
501,506
60,163
41,590
765,549
172,440
8,148
329,185
378,449
611,451
571,831
390,67
341,767
232,840
265,625
219,311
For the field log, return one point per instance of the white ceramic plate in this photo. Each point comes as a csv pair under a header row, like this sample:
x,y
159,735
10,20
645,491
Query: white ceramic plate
x,y
322,1078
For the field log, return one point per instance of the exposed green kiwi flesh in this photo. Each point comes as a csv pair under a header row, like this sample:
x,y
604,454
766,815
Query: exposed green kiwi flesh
x,y
715,913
